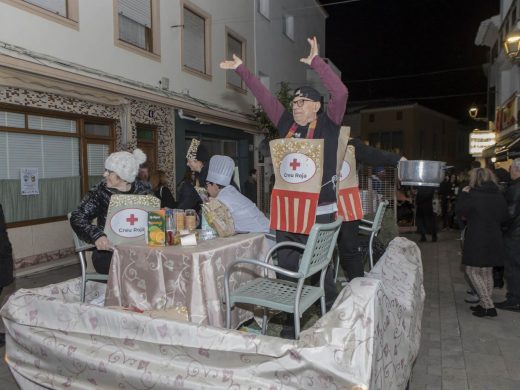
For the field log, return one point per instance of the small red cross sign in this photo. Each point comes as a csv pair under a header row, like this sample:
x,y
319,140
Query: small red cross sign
x,y
132,219
294,164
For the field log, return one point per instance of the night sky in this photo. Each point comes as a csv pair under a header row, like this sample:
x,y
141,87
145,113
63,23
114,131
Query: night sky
x,y
371,39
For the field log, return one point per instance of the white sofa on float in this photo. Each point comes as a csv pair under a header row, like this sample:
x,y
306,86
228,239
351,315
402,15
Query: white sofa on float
x,y
369,339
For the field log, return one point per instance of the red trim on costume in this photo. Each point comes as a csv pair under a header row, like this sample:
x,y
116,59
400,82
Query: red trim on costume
x,y
349,204
310,131
293,211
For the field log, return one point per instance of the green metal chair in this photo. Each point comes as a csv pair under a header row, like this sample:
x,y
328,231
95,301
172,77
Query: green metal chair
x,y
81,248
373,227
284,295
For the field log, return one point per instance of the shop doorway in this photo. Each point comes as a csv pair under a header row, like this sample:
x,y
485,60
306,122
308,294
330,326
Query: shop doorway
x,y
147,142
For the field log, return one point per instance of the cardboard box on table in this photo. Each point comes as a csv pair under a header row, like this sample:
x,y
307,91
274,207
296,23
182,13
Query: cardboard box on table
x,y
127,218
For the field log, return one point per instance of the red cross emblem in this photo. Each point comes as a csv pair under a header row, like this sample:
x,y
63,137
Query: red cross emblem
x,y
294,164
132,219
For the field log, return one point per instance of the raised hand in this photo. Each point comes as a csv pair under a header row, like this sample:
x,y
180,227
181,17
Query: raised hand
x,y
231,64
313,52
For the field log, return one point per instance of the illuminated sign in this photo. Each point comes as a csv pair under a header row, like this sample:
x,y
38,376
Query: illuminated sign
x,y
480,140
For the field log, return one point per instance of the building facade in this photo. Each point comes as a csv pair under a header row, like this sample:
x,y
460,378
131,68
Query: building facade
x,y
81,79
503,73
416,132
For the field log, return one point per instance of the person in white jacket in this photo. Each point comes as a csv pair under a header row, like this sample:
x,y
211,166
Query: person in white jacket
x,y
246,216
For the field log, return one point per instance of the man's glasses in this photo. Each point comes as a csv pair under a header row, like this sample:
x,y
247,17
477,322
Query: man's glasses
x,y
300,102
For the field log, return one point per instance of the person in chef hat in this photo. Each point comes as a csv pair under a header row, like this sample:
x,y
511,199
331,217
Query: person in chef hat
x,y
121,169
246,216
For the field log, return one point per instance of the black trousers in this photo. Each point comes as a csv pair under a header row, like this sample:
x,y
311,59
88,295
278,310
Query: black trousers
x,y
101,261
289,258
349,255
512,269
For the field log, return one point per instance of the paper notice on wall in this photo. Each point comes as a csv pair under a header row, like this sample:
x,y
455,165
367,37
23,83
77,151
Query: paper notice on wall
x,y
29,181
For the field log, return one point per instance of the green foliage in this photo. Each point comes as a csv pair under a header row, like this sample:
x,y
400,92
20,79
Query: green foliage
x,y
261,118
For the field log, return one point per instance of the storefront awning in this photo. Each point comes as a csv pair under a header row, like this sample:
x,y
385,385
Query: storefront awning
x,y
505,148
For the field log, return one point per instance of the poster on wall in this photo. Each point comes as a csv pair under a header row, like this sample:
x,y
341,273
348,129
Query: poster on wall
x,y
507,116
29,181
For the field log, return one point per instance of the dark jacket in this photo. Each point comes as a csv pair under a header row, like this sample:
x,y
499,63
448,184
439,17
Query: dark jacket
x,y
512,225
166,197
95,205
250,189
189,197
6,254
485,209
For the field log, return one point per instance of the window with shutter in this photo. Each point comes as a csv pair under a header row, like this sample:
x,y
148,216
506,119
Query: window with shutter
x,y
288,26
96,156
51,145
135,23
137,27
56,6
263,8
195,41
235,45
265,80
64,12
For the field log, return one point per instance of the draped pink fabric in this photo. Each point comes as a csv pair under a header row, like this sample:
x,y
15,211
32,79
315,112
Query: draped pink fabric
x,y
192,276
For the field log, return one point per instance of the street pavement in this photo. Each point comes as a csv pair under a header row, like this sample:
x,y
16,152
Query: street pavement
x,y
458,350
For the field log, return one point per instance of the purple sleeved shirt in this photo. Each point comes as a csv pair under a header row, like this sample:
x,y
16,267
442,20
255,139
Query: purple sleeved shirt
x,y
274,109
328,123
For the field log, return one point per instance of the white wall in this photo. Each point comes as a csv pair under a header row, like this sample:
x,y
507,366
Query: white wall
x,y
93,45
277,55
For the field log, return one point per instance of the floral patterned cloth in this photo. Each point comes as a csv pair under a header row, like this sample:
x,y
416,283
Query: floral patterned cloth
x,y
193,276
369,339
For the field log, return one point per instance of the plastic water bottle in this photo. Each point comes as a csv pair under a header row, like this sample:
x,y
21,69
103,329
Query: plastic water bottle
x,y
170,230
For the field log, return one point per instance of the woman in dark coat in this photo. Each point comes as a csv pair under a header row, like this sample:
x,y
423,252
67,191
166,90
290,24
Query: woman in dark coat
x,y
484,208
120,178
6,260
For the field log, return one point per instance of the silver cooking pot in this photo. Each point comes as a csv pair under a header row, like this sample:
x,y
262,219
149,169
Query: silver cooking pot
x,y
421,172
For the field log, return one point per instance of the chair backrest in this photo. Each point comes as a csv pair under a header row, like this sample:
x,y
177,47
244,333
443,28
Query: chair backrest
x,y
380,213
79,244
319,247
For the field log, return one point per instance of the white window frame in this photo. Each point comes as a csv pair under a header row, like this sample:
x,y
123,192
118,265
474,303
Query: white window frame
x,y
243,55
264,8
154,52
206,73
70,20
288,26
265,79
52,126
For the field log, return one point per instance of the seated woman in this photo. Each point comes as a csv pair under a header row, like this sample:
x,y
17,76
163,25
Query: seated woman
x,y
159,183
120,172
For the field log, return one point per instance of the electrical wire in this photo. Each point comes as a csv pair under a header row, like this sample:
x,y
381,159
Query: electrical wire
x,y
249,20
416,74
324,5
417,98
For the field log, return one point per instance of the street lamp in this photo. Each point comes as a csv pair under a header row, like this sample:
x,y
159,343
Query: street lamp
x,y
512,44
473,111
